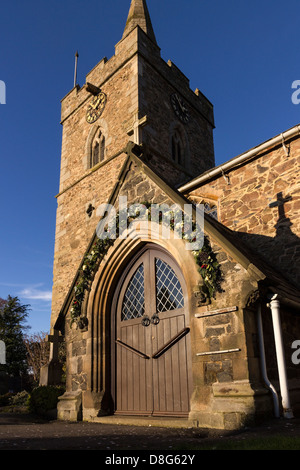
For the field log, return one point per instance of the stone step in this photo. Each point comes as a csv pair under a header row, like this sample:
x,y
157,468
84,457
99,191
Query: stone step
x,y
146,421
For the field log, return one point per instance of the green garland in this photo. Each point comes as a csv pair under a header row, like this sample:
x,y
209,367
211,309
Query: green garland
x,y
208,265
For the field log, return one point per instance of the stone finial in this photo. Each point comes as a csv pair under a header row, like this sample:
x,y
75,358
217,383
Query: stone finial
x,y
139,16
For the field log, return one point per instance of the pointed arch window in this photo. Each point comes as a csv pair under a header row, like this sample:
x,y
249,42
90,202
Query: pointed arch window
x,y
152,285
210,206
98,149
211,209
177,148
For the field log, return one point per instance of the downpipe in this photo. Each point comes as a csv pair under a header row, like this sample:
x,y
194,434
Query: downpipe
x,y
283,381
268,384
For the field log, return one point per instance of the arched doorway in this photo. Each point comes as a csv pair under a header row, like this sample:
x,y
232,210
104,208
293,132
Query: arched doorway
x,y
152,338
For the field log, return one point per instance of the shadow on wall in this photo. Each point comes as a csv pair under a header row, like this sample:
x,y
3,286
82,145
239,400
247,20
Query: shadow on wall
x,y
281,252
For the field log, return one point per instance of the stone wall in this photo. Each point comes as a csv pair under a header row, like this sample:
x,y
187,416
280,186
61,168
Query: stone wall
x,y
74,227
244,197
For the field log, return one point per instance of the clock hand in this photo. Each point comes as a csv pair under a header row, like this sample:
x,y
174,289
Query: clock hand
x,y
96,104
183,108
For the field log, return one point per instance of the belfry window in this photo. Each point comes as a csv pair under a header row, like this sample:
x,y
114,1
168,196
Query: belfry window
x,y
98,149
177,148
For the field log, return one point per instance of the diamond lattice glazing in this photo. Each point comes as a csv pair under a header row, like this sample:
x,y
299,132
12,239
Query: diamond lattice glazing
x,y
169,295
134,299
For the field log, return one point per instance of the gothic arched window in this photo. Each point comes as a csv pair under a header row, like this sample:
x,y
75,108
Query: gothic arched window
x,y
179,148
211,209
98,149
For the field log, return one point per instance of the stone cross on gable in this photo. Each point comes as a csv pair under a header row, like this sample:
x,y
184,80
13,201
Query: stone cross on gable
x,y
136,129
54,339
280,204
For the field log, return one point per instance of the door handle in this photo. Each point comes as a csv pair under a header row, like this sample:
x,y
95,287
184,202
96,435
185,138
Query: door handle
x,y
170,343
155,319
130,348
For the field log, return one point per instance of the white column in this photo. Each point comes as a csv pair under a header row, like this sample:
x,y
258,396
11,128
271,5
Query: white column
x,y
263,363
275,310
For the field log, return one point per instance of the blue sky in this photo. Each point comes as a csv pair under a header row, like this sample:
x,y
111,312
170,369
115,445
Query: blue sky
x,y
243,55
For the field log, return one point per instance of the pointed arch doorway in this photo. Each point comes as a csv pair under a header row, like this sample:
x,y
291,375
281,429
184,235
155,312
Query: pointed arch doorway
x,y
152,338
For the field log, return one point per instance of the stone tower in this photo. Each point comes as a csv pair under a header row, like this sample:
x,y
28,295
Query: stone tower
x,y
137,96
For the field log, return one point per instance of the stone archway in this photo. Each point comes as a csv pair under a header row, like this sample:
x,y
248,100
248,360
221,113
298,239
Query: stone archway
x,y
151,338
100,308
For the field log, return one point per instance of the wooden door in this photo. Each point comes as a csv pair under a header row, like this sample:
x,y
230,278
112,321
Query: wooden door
x,y
152,339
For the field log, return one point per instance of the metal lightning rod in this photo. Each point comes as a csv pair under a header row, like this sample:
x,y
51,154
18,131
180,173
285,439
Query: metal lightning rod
x,y
75,73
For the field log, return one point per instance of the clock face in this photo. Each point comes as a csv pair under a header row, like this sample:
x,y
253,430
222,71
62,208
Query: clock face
x,y
95,108
180,108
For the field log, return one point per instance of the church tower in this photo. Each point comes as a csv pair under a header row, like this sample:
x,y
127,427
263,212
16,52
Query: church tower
x,y
134,96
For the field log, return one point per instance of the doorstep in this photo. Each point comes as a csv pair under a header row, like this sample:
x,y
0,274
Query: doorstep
x,y
146,421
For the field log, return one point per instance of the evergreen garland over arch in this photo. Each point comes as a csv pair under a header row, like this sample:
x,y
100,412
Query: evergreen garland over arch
x,y
205,258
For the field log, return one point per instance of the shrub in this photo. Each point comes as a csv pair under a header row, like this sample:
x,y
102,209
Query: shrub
x,y
44,398
19,399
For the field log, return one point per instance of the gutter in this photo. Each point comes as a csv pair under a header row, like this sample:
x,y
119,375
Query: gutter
x,y
220,170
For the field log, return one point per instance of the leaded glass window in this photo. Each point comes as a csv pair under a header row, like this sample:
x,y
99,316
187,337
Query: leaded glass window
x,y
134,299
98,149
169,295
211,209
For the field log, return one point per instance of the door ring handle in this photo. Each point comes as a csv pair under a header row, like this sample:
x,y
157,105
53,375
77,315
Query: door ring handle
x,y
146,321
155,319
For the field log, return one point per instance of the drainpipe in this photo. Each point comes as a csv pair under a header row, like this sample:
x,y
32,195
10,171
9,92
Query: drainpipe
x,y
275,310
263,364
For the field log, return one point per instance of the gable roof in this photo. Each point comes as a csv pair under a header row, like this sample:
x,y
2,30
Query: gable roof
x,y
228,240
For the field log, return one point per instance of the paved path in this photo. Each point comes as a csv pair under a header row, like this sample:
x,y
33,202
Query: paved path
x,y
24,432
